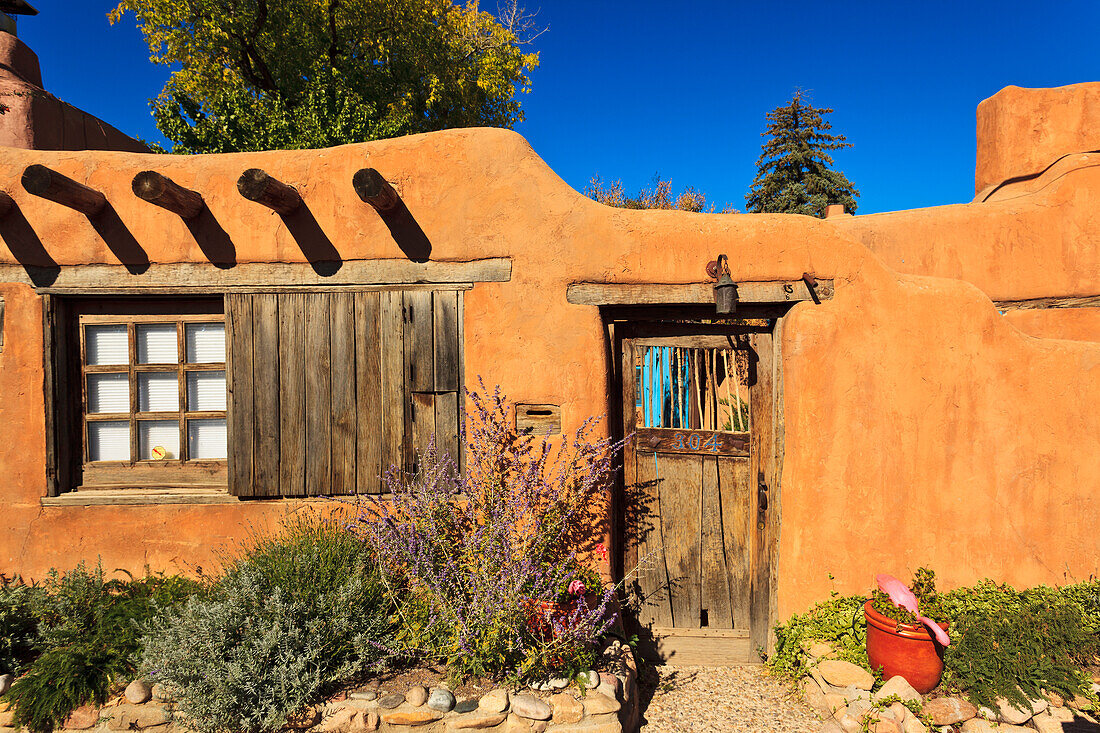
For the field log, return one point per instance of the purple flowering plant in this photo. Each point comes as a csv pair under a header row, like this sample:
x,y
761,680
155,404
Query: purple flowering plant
x,y
475,562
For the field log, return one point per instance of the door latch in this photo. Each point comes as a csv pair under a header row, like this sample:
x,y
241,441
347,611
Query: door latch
x,y
761,493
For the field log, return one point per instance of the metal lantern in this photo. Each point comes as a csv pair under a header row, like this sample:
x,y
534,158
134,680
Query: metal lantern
x,y
725,290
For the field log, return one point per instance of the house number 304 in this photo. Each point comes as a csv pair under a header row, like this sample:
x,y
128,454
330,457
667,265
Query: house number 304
x,y
694,441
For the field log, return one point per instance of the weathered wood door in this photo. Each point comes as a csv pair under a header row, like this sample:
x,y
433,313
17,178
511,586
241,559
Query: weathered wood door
x,y
698,403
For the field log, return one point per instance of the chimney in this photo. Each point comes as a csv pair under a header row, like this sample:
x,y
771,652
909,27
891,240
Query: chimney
x,y
11,8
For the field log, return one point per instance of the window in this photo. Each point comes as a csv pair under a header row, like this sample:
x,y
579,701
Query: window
x,y
153,396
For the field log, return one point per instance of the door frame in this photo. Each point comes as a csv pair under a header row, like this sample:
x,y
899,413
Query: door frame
x,y
766,458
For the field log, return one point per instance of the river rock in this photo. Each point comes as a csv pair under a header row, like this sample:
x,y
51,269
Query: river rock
x,y
138,692
897,685
466,706
839,673
495,701
390,701
82,718
566,709
948,710
532,708
589,679
599,704
441,700
819,650
5,682
416,696
852,693
476,721
1047,723
367,695
410,717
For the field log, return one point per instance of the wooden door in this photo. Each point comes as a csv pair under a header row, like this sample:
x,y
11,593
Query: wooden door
x,y
698,407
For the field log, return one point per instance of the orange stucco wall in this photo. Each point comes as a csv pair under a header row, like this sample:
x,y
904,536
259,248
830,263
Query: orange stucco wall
x,y
921,426
1022,131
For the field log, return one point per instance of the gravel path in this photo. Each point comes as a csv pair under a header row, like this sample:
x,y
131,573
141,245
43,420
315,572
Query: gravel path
x,y
720,700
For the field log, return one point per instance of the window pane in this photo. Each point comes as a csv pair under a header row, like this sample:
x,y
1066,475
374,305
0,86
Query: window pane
x,y
206,439
158,392
106,344
205,391
205,343
108,393
157,343
158,439
109,440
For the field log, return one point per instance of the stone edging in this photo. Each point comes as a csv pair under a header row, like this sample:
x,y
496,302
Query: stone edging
x,y
609,704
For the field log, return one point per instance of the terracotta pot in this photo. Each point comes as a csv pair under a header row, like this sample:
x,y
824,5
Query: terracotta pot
x,y
903,649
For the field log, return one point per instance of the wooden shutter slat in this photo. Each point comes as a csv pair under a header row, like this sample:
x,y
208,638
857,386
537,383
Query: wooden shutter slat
x,y
344,413
238,372
422,425
265,380
446,425
292,394
368,380
318,398
419,351
445,330
393,380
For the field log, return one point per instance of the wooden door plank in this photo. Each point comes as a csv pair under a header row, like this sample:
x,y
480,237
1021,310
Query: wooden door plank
x,y
680,484
292,394
762,464
737,531
318,400
368,387
445,337
422,425
419,341
446,426
654,603
393,380
343,386
716,581
265,371
238,370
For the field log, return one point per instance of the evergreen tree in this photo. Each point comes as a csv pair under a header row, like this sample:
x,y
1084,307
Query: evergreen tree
x,y
793,174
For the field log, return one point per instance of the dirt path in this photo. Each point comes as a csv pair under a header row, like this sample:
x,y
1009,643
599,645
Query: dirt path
x,y
721,700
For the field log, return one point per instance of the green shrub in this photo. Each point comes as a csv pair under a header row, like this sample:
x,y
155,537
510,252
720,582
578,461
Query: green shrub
x,y
19,638
297,615
1004,642
1009,643
89,639
838,621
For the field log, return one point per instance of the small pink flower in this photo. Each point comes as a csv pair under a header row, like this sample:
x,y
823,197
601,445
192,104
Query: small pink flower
x,y
601,551
576,588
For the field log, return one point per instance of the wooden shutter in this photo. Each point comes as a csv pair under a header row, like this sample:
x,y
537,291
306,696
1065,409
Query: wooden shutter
x,y
327,391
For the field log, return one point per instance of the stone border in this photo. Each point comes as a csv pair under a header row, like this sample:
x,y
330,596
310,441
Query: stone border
x,y
608,703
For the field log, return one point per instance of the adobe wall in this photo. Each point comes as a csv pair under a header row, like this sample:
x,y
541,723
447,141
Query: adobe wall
x,y
37,120
921,427
1022,131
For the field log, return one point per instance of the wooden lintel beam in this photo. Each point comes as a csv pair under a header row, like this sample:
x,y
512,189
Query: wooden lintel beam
x,y
159,189
39,180
189,276
1071,301
756,292
375,190
256,185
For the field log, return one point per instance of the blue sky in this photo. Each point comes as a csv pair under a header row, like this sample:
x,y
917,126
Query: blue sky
x,y
631,89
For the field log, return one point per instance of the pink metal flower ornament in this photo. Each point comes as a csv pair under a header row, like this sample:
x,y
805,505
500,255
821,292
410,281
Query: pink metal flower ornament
x,y
902,597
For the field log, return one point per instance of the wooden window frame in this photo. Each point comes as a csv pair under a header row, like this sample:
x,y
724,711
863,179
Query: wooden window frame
x,y
66,389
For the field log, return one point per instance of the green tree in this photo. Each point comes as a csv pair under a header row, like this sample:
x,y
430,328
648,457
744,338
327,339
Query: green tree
x,y
659,197
266,74
793,172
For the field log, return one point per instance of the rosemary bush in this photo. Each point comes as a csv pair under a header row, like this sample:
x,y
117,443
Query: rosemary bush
x,y
475,561
19,638
297,615
89,640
